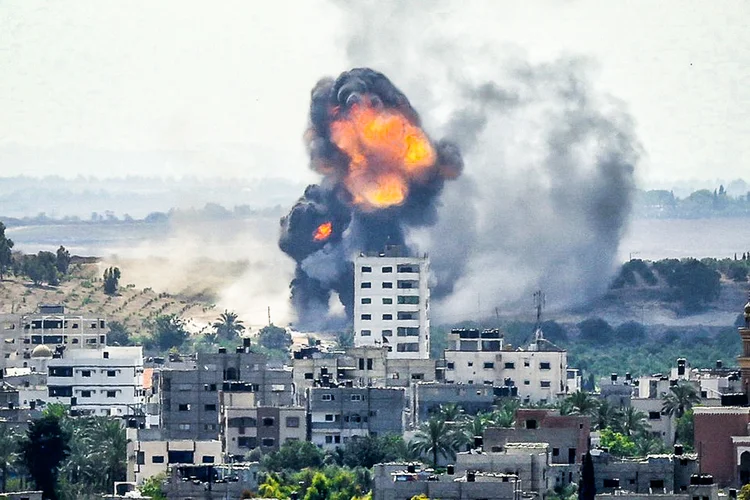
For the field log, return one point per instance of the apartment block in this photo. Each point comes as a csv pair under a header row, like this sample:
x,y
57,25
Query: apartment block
x,y
392,303
338,414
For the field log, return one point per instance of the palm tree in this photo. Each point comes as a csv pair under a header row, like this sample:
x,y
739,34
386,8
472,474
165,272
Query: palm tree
x,y
451,412
605,415
111,449
632,421
647,445
8,447
504,417
579,403
228,326
475,426
436,437
680,399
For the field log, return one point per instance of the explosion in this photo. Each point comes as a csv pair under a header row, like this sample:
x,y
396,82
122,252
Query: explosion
x,y
381,174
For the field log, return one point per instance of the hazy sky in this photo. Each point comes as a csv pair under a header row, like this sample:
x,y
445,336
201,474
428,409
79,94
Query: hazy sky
x,y
222,88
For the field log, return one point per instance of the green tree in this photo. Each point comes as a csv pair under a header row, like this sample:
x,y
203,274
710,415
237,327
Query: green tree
x,y
228,326
41,268
437,438
680,398
366,451
580,403
631,332
647,445
118,334
632,421
153,487
6,252
8,448
62,260
587,488
685,430
43,450
294,455
319,489
167,331
274,337
605,416
744,493
618,444
111,280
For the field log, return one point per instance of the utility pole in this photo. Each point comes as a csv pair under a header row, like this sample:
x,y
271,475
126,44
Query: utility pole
x,y
539,300
269,315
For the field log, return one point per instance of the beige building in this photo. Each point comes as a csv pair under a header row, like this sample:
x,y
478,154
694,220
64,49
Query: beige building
x,y
537,373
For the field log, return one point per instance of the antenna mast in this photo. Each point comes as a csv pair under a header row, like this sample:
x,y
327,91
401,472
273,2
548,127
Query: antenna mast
x,y
539,302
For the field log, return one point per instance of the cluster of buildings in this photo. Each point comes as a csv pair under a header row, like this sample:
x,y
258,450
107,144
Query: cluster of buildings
x,y
205,417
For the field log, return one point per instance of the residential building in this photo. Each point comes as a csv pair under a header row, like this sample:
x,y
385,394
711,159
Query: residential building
x,y
654,474
50,327
102,381
427,398
338,414
529,462
246,426
537,373
189,394
392,303
209,482
149,453
409,481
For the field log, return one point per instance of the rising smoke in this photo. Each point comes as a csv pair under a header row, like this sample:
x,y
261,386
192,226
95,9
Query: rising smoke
x,y
382,176
548,186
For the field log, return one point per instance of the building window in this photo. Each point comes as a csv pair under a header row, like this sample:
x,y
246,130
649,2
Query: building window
x,y
140,458
61,371
356,397
211,407
369,363
184,427
366,300
544,366
545,383
388,269
111,373
510,366
292,421
451,365
365,333
387,333
408,315
387,301
408,299
207,459
387,284
526,382
489,366
327,397
555,452
247,442
366,284
308,376
184,407
654,415
526,363
366,317
329,417
469,363
388,316
407,268
111,394
268,421
85,394
157,459
407,331
209,427
407,347
329,439
85,373
366,269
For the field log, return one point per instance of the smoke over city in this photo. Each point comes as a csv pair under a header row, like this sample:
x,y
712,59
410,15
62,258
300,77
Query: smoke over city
x,y
546,193
382,175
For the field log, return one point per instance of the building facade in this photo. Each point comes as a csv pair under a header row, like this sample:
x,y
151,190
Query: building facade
x,y
392,303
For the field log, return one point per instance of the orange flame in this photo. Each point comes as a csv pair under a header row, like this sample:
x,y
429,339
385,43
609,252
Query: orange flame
x,y
386,152
323,232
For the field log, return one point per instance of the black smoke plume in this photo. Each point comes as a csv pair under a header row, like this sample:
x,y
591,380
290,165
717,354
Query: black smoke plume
x,y
325,259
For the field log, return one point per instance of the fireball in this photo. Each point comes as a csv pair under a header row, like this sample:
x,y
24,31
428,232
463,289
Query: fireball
x,y
323,232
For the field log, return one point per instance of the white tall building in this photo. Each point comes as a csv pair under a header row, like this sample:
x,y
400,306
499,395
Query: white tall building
x,y
392,304
104,381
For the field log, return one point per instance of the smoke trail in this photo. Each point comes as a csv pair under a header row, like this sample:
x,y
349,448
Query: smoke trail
x,y
550,163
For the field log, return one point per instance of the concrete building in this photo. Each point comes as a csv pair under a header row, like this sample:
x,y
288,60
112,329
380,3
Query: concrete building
x,y
209,482
338,414
426,398
529,462
392,303
358,366
150,454
655,474
102,381
408,481
701,487
189,393
537,373
50,327
567,435
246,426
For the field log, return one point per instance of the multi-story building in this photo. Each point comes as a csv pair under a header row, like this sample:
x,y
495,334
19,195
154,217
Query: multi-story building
x,y
104,381
537,373
338,414
50,327
246,426
189,395
426,399
392,303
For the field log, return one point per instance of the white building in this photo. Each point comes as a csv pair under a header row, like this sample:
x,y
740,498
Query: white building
x,y
392,304
536,373
104,381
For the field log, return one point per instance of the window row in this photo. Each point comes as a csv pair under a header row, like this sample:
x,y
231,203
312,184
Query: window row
x,y
67,371
401,299
401,268
401,315
402,284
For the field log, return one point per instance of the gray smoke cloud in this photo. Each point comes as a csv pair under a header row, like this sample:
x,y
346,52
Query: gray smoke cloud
x,y
550,163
